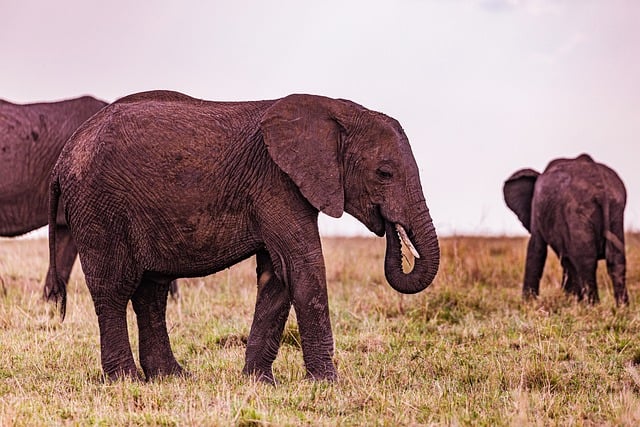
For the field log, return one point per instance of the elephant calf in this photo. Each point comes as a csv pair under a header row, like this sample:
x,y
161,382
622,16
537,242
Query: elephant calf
x,y
576,206
159,185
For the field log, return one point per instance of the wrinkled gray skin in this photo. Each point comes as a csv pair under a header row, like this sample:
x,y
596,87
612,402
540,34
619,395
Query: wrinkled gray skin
x,y
31,138
159,185
576,206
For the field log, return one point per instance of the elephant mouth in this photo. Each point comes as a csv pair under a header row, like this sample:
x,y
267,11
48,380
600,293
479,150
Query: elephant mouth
x,y
379,227
376,222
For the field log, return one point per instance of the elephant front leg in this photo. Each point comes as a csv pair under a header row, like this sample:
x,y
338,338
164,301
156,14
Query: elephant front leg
x,y
536,257
273,304
150,305
311,304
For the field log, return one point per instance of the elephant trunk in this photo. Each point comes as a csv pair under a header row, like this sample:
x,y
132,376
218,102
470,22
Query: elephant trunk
x,y
424,240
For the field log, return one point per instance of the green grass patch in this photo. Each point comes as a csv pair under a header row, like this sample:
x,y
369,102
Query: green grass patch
x,y
467,351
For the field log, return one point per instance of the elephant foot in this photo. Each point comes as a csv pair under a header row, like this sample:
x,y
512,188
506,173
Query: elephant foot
x,y
326,372
622,299
259,374
325,376
529,294
165,370
120,373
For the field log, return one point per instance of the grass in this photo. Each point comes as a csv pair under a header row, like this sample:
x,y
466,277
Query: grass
x,y
467,351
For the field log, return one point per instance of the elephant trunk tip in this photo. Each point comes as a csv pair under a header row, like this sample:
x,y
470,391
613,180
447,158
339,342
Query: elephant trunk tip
x,y
424,247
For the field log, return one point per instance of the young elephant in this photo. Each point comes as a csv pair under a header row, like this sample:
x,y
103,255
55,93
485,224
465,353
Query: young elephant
x,y
31,137
577,207
159,185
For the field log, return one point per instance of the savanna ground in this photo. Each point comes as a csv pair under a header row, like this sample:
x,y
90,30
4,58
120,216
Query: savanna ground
x,y
467,351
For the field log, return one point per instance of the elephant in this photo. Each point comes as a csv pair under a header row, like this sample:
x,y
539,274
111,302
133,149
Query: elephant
x,y
31,137
159,185
576,206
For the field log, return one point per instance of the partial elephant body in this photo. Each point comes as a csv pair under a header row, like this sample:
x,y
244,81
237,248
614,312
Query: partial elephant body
x,y
181,224
576,206
160,185
31,138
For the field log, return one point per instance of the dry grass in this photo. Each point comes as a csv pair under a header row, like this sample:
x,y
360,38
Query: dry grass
x,y
466,351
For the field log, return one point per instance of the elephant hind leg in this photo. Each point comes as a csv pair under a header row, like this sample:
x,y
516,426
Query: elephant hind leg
x,y
617,265
111,309
174,290
617,273
585,268
570,283
273,304
150,305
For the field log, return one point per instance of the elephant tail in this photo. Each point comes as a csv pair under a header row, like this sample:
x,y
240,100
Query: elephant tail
x,y
55,289
613,244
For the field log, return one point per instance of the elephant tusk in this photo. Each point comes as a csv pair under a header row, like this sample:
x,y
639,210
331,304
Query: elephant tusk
x,y
405,239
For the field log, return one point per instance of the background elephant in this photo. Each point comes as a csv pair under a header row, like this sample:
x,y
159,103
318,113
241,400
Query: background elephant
x,y
160,185
577,207
31,138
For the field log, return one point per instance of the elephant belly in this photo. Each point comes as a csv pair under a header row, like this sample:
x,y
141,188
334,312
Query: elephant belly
x,y
193,258
21,215
177,233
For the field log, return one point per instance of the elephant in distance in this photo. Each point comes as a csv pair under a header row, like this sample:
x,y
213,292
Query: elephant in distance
x,y
576,206
160,185
31,138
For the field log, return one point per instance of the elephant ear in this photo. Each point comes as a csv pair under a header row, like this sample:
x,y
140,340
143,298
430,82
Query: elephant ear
x,y
518,193
302,137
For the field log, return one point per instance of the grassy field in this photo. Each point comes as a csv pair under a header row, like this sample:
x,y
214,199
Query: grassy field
x,y
467,351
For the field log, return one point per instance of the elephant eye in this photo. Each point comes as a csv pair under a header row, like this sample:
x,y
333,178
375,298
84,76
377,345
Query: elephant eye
x,y
384,173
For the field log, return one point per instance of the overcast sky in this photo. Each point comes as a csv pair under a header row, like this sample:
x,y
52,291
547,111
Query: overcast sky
x,y
481,87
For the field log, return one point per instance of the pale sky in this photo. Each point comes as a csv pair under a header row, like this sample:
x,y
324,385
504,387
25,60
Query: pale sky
x,y
481,87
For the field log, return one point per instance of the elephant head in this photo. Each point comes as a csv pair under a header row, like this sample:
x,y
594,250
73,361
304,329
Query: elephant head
x,y
344,157
518,194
